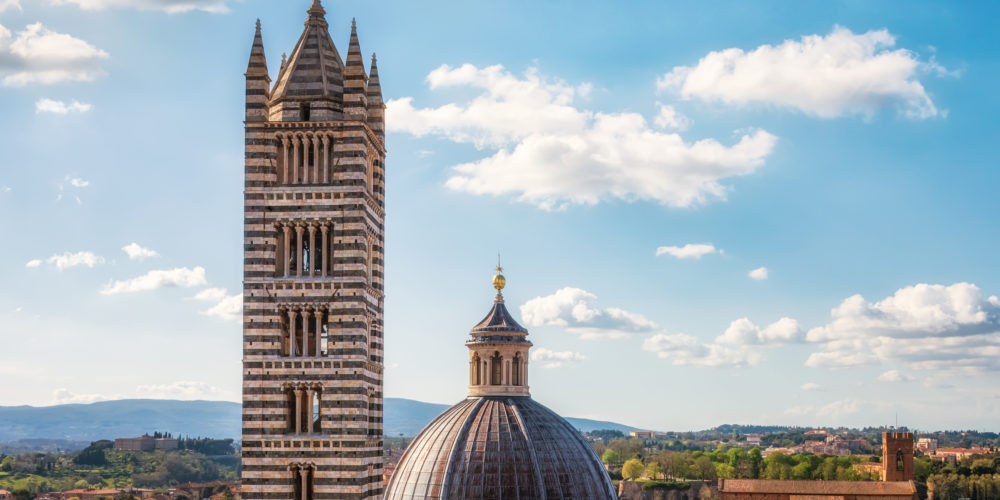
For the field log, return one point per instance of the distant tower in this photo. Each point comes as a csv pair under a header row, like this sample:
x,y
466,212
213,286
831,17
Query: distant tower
x,y
897,456
314,216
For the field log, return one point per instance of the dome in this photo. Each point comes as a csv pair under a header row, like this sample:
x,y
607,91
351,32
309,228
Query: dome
x,y
499,447
498,442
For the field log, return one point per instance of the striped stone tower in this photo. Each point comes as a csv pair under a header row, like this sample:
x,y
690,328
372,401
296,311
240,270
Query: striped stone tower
x,y
314,201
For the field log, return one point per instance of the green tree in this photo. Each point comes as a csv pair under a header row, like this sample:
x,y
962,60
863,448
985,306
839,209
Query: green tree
x,y
704,468
7,464
654,470
611,457
81,485
755,459
632,469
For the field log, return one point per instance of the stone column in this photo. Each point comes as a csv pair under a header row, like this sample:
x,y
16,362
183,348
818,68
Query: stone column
x,y
326,256
319,332
306,178
291,332
312,249
298,411
305,332
304,474
285,165
326,159
316,162
295,159
309,411
298,250
288,241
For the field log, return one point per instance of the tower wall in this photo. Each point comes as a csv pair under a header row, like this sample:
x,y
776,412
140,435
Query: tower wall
x,y
897,456
313,301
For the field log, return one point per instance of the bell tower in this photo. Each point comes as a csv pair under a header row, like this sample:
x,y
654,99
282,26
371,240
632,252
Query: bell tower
x,y
897,456
314,219
498,351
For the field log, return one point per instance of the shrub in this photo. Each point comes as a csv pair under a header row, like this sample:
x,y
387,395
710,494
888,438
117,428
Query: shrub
x,y
665,485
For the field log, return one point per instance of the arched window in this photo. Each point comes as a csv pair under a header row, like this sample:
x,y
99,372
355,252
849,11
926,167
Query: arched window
x,y
317,415
516,369
306,111
474,370
899,460
497,362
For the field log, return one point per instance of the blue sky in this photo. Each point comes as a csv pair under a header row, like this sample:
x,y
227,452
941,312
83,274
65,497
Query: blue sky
x,y
634,168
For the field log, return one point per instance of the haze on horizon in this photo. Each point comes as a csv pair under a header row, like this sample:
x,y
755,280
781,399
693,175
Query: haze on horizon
x,y
706,215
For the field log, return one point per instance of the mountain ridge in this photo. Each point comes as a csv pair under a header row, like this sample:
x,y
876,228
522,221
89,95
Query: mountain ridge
x,y
202,418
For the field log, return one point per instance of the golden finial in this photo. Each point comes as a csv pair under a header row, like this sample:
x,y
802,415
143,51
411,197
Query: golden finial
x,y
498,280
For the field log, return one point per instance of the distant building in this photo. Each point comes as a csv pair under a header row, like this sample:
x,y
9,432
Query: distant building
x,y
816,432
89,494
753,439
897,483
145,443
927,444
642,434
6,495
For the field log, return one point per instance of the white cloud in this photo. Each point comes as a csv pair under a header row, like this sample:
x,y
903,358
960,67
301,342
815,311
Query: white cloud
x,y
64,396
671,119
552,154
39,55
811,386
825,76
928,327
555,359
33,263
183,389
10,4
894,376
227,307
744,332
168,6
136,252
67,260
44,105
832,410
683,350
77,182
758,274
5,189
573,309
688,251
179,277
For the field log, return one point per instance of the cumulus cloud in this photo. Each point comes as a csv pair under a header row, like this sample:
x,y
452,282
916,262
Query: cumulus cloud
x,y
830,76
183,389
551,153
10,4
67,260
811,386
44,105
226,307
758,274
168,6
555,359
744,332
928,327
894,376
137,252
179,277
33,263
64,396
689,251
37,55
834,409
683,350
574,310
671,119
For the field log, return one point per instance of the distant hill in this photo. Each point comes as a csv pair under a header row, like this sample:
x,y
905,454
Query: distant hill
x,y
218,419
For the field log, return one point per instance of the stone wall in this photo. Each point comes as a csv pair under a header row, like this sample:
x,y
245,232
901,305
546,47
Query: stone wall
x,y
699,490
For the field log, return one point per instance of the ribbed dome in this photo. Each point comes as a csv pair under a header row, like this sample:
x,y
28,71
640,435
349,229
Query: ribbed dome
x,y
499,447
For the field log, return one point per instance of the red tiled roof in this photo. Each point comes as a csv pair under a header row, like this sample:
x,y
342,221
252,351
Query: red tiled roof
x,y
902,488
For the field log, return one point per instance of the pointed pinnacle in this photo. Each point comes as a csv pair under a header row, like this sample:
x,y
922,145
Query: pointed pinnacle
x,y
258,25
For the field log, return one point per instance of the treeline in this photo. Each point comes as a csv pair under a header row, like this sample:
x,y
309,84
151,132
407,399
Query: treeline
x,y
955,486
734,463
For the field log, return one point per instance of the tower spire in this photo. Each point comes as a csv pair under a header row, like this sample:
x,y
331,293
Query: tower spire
x,y
376,108
258,83
317,15
355,80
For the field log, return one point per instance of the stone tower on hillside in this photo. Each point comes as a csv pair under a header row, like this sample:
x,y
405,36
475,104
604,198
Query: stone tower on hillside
x,y
314,216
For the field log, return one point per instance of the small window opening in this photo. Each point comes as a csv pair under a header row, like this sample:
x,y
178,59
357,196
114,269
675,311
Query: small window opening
x,y
305,111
